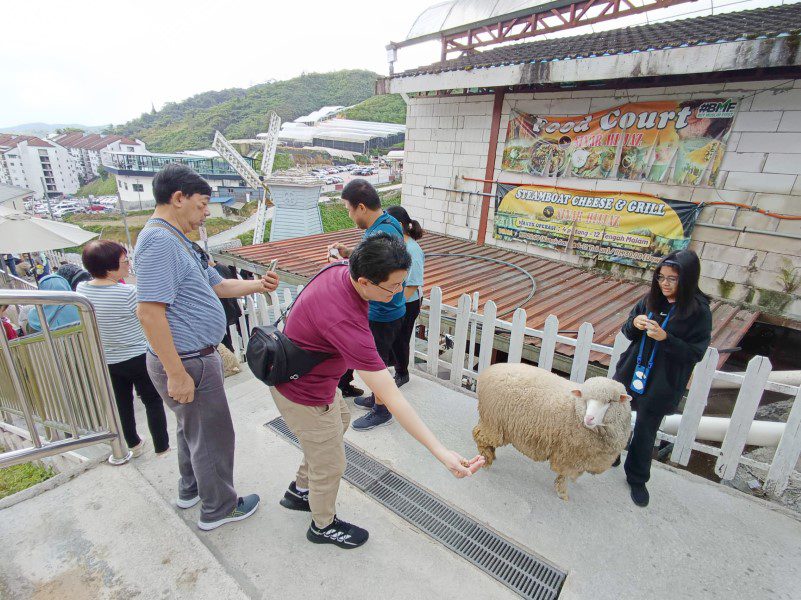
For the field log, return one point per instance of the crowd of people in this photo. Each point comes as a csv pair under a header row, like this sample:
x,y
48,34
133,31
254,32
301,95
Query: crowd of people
x,y
160,338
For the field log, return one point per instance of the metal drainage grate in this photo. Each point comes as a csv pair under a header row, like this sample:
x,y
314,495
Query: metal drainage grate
x,y
521,571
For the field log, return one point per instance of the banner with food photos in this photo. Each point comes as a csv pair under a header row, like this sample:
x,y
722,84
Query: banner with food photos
x,y
669,142
620,227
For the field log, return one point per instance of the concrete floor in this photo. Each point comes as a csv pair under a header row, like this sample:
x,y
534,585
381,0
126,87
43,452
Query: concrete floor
x,y
96,533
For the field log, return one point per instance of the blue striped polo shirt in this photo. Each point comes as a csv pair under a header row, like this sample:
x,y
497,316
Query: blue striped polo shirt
x,y
169,271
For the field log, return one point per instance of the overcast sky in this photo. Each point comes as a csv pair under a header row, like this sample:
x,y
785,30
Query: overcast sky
x,y
95,63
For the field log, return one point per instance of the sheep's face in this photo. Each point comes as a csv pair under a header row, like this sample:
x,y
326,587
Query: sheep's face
x,y
598,393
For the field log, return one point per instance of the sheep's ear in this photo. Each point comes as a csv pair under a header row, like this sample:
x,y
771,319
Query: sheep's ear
x,y
576,393
625,398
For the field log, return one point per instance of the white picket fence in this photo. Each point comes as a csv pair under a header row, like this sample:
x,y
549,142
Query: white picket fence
x,y
471,328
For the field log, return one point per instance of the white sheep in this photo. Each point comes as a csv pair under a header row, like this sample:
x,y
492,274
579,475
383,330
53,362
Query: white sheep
x,y
578,427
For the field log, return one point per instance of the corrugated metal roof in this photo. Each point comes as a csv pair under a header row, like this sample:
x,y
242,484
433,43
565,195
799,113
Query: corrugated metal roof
x,y
770,22
574,295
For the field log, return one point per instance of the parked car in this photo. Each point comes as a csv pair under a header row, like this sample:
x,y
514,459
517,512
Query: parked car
x,y
95,208
60,213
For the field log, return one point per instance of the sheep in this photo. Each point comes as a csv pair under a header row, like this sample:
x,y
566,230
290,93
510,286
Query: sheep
x,y
578,427
229,360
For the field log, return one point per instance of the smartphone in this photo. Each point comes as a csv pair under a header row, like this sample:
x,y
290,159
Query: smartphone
x,y
335,253
273,264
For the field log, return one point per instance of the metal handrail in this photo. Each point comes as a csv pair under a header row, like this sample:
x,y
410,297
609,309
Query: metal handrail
x,y
59,383
9,281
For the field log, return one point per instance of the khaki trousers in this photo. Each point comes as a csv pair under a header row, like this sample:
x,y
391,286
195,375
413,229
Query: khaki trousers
x,y
320,430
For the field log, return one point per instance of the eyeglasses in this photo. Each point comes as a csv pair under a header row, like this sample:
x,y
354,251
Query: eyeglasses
x,y
669,278
395,289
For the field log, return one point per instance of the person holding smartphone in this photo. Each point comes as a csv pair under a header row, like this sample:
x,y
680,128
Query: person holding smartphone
x,y
178,305
670,329
386,316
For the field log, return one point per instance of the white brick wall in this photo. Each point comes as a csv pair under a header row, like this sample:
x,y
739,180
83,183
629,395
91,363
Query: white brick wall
x,y
448,140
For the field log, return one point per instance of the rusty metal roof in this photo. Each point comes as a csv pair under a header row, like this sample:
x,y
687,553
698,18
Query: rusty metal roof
x,y
769,22
574,295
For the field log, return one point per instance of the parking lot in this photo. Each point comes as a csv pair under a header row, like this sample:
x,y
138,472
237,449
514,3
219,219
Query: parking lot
x,y
63,208
341,178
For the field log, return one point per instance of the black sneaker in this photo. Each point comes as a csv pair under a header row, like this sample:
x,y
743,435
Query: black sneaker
x,y
639,494
365,402
401,379
339,533
351,392
295,500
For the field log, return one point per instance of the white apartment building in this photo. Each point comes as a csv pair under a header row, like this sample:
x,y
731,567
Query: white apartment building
x,y
85,149
39,165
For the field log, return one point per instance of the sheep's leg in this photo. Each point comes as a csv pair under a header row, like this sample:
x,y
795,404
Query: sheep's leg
x,y
561,487
486,442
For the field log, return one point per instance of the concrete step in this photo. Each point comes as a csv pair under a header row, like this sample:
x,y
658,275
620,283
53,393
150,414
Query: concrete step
x,y
116,531
105,534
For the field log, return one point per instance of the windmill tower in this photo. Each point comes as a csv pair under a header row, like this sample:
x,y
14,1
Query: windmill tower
x,y
294,212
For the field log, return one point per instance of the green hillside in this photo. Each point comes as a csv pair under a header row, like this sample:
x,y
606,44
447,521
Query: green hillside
x,y
241,113
383,109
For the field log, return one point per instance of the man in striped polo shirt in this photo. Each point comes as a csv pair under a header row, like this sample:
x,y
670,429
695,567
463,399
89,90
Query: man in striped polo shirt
x,y
179,308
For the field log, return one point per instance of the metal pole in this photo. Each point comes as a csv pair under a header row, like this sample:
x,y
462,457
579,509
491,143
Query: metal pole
x,y
124,220
47,199
26,409
119,454
51,351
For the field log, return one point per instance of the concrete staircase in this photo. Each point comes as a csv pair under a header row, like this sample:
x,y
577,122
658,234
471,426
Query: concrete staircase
x,y
115,532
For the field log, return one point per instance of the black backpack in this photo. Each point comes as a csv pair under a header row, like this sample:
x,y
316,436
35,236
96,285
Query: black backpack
x,y
273,357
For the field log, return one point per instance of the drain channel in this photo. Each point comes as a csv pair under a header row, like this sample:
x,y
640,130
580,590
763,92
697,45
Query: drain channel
x,y
521,571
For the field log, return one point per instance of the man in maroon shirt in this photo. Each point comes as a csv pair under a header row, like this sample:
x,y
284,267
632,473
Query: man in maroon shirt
x,y
331,316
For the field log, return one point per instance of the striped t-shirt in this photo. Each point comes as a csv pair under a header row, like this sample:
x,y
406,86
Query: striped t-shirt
x,y
115,309
168,271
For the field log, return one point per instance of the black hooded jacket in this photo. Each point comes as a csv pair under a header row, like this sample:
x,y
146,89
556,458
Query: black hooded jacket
x,y
676,356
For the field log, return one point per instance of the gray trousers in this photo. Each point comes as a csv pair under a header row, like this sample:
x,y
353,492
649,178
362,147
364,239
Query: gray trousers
x,y
205,436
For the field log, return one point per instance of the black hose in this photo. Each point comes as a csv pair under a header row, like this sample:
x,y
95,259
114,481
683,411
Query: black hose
x,y
499,262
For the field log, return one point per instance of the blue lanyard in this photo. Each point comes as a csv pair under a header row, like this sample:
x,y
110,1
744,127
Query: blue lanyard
x,y
656,344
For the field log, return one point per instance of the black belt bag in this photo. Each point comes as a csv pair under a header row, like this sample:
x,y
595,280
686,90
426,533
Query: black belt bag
x,y
274,358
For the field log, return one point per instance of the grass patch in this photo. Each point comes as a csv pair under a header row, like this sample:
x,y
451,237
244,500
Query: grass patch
x,y
99,187
110,227
21,477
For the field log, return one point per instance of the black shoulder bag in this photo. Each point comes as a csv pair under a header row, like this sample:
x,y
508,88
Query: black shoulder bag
x,y
273,357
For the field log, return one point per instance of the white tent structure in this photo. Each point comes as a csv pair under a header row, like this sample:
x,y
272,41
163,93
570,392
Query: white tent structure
x,y
21,233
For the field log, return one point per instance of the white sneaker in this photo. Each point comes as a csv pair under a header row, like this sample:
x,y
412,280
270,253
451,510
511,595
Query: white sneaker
x,y
187,503
138,449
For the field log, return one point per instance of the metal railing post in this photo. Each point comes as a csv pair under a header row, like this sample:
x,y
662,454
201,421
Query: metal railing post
x,y
76,396
51,352
26,409
119,453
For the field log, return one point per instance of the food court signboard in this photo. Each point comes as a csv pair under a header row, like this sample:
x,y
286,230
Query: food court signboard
x,y
672,142
628,228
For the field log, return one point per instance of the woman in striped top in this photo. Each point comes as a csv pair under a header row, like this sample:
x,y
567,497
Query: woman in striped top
x,y
123,341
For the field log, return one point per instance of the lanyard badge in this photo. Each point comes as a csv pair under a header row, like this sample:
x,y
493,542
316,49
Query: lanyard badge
x,y
639,380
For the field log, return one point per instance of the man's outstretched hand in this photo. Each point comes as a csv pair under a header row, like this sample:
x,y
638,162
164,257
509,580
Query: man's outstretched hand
x,y
460,466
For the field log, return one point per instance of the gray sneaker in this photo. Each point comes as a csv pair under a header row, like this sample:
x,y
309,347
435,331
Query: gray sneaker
x,y
244,508
187,502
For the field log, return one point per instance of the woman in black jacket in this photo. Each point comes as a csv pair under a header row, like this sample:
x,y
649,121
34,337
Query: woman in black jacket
x,y
670,329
